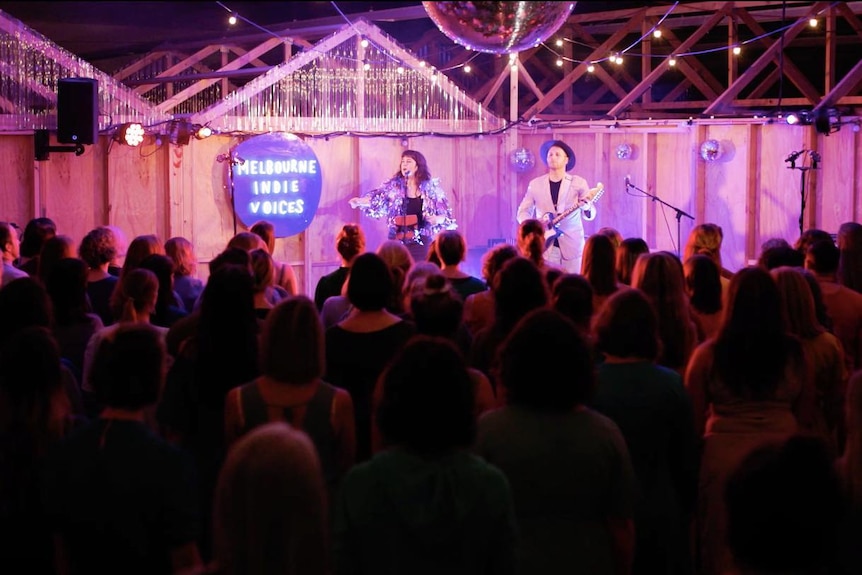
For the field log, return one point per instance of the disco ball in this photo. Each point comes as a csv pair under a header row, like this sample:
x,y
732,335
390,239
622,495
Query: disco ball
x,y
710,150
625,151
522,160
498,27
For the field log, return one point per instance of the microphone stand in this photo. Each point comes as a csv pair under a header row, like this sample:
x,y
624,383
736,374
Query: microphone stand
x,y
679,213
791,159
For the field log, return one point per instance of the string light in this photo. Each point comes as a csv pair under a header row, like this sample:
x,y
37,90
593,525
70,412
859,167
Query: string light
x,y
232,19
618,60
366,66
671,62
813,22
364,43
560,62
591,68
467,68
656,33
559,42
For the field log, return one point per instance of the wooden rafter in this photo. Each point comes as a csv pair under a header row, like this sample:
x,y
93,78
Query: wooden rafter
x,y
180,66
793,73
693,69
721,103
842,88
202,85
581,69
634,94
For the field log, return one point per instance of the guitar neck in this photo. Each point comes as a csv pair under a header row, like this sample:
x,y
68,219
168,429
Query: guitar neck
x,y
593,195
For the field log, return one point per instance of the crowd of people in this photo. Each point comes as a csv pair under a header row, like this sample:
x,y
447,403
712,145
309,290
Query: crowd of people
x,y
646,414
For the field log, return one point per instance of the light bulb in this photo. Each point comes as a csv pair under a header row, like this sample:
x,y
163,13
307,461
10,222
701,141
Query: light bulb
x,y
671,62
560,62
813,22
737,50
232,19
559,42
467,68
591,68
656,33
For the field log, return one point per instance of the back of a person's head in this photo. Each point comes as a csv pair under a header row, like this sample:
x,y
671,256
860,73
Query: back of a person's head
x,y
263,269
231,256
797,302
24,302
598,264
660,276
627,254
436,308
494,259
520,288
822,257
266,232
350,241
531,240
270,509
808,237
292,342
229,292
396,255
137,292
703,284
36,233
163,267
572,296
181,251
129,367
247,241
67,288
451,247
140,248
753,303
563,384
98,247
705,239
778,256
783,508
428,423
369,287
612,234
627,326
54,249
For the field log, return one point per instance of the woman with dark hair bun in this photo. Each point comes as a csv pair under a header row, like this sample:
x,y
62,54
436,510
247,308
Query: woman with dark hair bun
x,y
349,243
413,203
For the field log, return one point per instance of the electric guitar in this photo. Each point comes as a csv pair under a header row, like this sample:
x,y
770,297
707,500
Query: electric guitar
x,y
586,204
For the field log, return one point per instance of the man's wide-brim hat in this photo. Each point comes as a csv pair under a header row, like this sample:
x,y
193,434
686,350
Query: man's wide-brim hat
x,y
543,152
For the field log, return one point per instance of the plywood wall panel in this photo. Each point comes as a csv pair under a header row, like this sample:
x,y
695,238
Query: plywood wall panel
x,y
778,190
834,193
137,189
72,191
670,165
18,177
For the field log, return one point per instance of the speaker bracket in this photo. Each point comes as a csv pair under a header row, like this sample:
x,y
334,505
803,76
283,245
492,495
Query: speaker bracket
x,y
43,148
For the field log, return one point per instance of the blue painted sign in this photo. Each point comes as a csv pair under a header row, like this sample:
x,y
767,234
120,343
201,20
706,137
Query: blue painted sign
x,y
277,178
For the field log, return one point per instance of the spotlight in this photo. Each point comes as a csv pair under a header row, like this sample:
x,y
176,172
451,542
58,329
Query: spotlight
x,y
180,132
131,134
203,133
792,118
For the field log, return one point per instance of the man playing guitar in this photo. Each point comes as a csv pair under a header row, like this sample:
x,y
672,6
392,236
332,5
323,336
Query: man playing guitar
x,y
552,194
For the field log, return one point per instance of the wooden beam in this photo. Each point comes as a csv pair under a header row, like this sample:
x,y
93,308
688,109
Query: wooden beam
x,y
842,88
202,85
139,65
660,69
693,69
183,64
850,16
767,83
581,69
793,73
758,65
495,86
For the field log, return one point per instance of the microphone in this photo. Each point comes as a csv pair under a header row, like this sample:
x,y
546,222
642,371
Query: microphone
x,y
407,174
793,156
227,158
628,181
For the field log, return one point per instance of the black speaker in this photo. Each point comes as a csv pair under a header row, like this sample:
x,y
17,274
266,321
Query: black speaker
x,y
77,111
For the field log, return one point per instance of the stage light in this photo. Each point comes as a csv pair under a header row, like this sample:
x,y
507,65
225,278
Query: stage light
x,y
792,118
203,133
131,134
